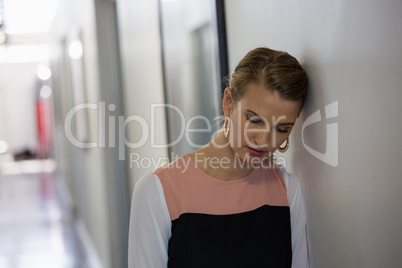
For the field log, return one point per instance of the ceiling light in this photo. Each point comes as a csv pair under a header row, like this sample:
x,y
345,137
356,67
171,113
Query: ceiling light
x,y
44,72
75,49
27,16
45,92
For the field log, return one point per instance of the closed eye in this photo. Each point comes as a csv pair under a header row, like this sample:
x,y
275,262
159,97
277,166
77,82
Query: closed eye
x,y
281,130
255,120
284,127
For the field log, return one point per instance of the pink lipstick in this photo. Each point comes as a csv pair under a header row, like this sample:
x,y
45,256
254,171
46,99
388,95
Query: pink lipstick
x,y
255,152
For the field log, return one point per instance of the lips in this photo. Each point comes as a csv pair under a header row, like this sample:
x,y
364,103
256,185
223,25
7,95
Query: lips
x,y
255,152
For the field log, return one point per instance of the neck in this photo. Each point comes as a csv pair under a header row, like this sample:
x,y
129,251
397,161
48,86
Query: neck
x,y
219,151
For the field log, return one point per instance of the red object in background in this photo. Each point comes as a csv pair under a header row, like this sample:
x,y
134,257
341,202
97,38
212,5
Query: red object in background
x,y
43,116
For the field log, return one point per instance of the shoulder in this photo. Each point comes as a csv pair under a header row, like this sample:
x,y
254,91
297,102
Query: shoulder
x,y
293,186
290,179
178,166
148,187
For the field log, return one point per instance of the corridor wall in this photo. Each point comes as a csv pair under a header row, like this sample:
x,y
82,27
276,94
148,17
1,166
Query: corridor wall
x,y
82,170
347,155
141,60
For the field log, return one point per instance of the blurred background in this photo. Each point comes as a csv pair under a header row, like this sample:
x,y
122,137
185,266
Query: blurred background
x,y
83,88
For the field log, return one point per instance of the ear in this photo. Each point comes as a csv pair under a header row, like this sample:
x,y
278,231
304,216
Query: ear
x,y
227,101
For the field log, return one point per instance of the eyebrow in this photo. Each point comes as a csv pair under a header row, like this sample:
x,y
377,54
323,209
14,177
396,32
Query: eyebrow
x,y
280,124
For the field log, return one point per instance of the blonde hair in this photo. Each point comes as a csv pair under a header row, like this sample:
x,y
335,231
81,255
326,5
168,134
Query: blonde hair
x,y
275,70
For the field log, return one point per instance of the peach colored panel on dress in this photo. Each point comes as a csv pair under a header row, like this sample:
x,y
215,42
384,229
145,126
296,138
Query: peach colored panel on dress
x,y
188,189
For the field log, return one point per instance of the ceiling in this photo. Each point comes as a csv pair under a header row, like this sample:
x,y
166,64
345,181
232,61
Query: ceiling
x,y
25,28
26,20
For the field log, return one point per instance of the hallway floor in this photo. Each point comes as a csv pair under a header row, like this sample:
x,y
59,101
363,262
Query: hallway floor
x,y
35,229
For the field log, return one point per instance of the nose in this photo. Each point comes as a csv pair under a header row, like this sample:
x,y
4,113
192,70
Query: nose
x,y
263,139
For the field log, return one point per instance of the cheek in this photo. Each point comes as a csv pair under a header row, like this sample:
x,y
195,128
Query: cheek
x,y
280,139
238,134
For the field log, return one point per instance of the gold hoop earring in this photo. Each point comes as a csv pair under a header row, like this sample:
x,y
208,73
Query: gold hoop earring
x,y
226,127
285,148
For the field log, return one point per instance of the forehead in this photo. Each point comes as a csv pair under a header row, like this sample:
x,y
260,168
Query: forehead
x,y
268,103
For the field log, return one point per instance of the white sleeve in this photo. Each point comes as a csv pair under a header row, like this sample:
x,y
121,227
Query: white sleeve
x,y
298,220
150,225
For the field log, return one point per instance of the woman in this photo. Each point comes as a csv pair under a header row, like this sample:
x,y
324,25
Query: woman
x,y
228,204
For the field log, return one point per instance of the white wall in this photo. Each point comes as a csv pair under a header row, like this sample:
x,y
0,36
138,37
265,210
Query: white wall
x,y
351,50
17,105
140,48
83,169
94,179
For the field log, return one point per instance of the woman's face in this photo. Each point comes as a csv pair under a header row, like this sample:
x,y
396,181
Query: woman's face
x,y
260,121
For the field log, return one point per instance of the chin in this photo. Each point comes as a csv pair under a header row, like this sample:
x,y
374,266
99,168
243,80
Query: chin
x,y
249,161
